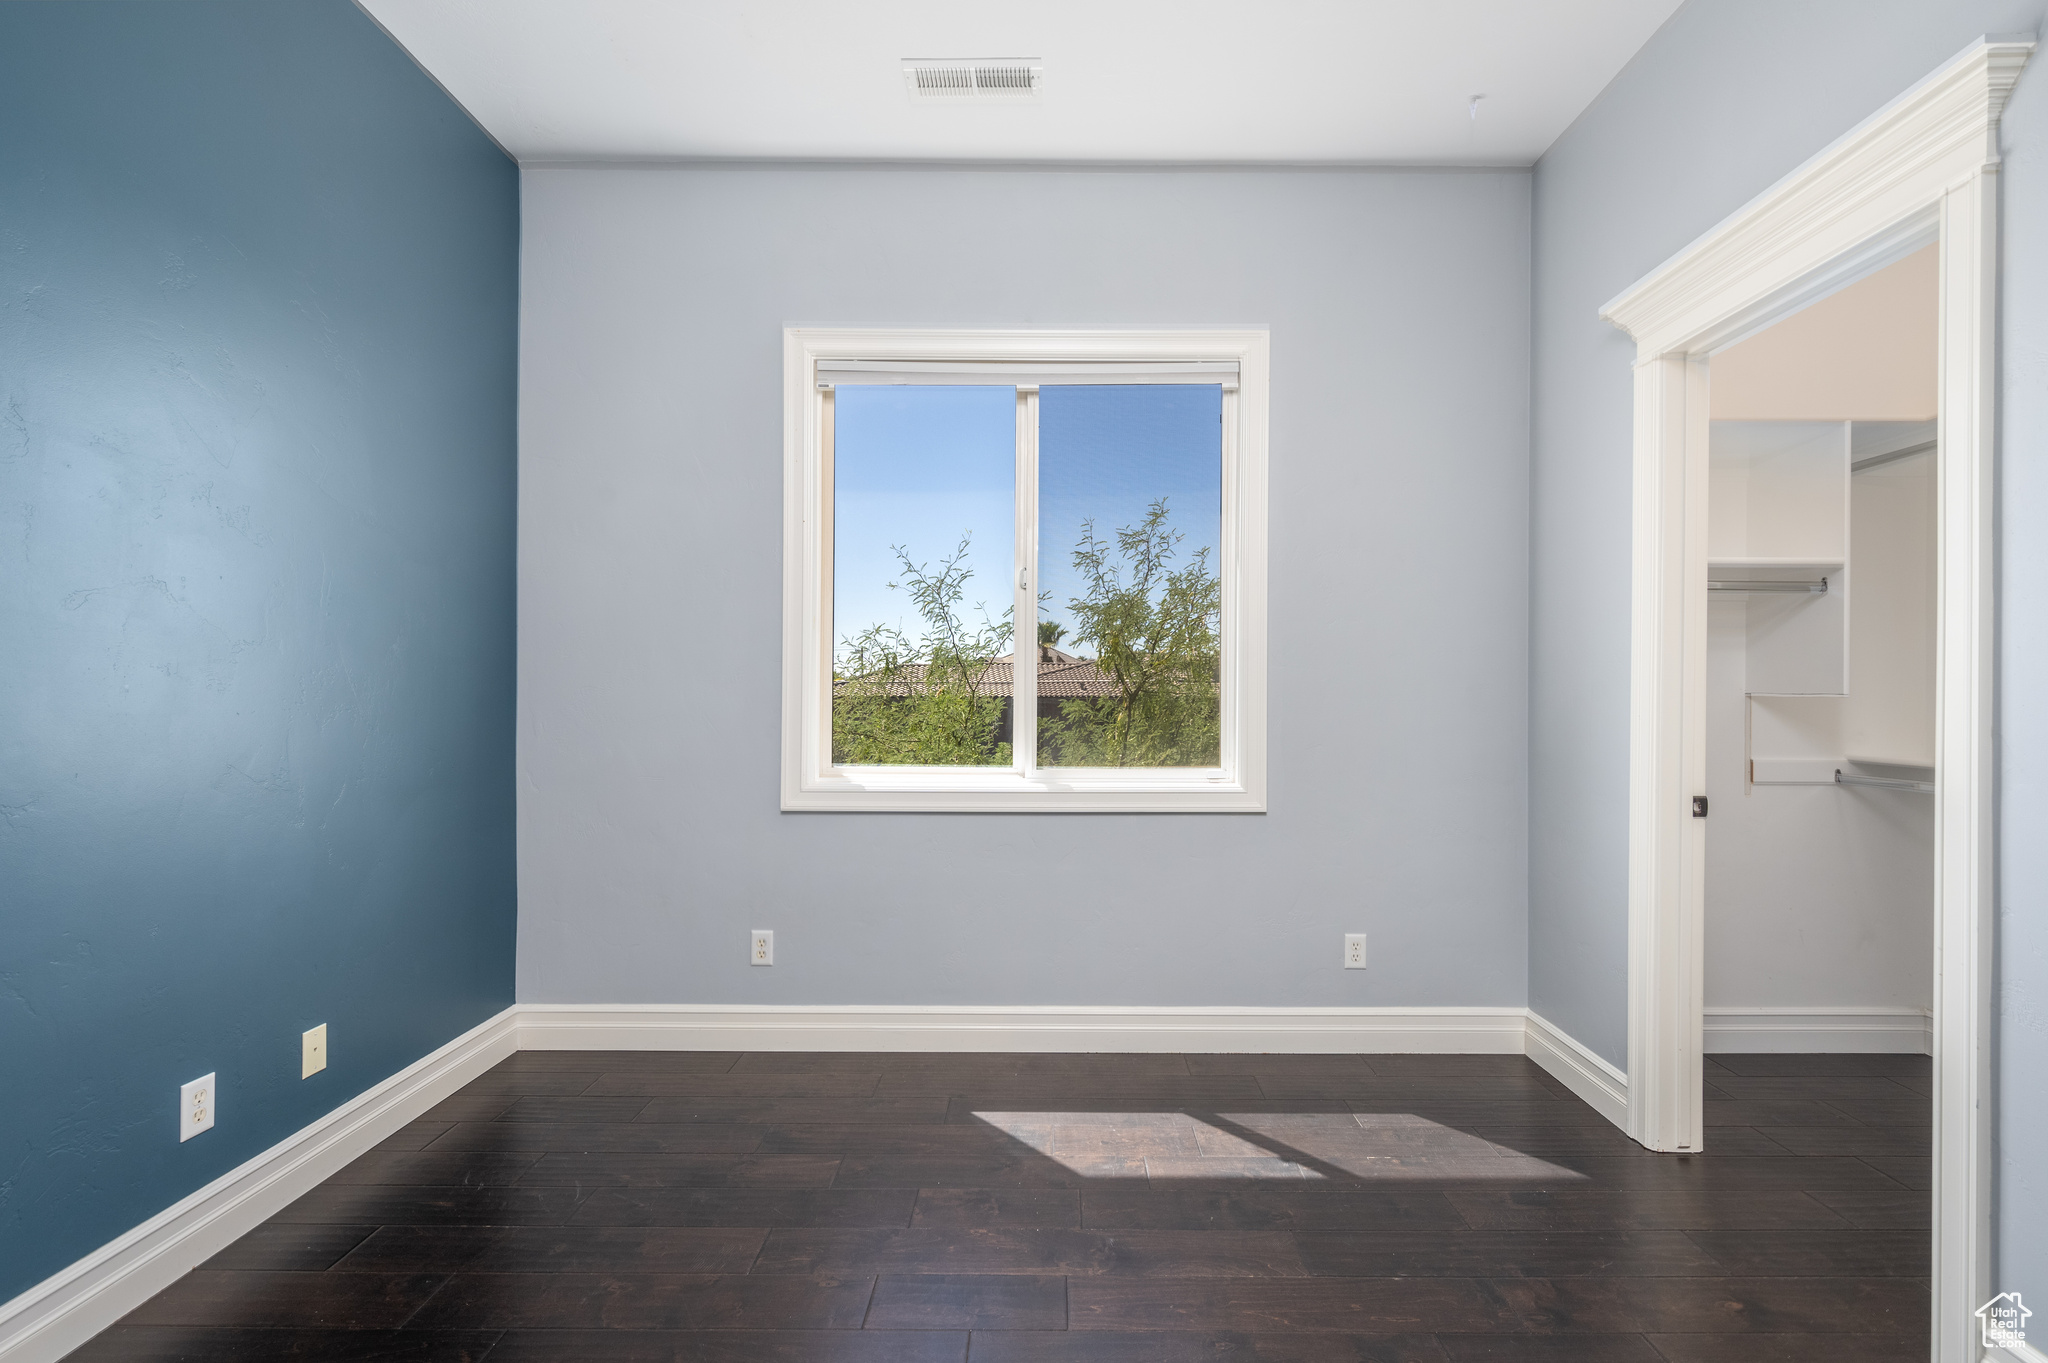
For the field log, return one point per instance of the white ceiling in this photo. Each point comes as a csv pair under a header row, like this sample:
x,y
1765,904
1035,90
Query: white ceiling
x,y
1385,81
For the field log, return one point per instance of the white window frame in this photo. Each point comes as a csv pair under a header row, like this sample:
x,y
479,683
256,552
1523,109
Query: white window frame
x,y
811,782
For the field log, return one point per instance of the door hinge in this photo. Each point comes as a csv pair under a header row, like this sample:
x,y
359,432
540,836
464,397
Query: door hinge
x,y
1699,806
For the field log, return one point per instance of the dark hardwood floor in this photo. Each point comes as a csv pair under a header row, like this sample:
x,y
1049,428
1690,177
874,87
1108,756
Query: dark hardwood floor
x,y
606,1207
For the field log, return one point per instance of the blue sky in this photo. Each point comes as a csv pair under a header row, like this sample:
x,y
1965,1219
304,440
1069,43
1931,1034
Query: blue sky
x,y
918,466
1108,451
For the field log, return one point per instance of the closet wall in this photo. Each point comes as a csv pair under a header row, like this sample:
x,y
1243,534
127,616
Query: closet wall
x,y
1820,657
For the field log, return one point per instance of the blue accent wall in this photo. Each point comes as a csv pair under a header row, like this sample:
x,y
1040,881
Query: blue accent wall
x,y
258,326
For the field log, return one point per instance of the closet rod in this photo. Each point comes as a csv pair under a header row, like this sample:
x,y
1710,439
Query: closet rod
x,y
1815,588
1883,782
1890,456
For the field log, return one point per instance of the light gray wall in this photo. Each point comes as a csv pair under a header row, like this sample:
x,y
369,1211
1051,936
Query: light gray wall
x,y
650,579
1727,98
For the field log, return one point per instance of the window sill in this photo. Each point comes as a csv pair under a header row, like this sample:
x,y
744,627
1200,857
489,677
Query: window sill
x,y
1070,792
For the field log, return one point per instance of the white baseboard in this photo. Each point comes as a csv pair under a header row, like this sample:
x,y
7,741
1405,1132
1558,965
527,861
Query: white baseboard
x,y
1866,1031
62,1312
689,1027
1598,1084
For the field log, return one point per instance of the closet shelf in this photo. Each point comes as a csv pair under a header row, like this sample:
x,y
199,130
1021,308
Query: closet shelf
x,y
1898,767
1789,569
1802,588
1800,576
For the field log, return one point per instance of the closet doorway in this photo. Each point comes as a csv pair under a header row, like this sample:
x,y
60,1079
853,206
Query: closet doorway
x,y
1819,896
1819,909
1921,171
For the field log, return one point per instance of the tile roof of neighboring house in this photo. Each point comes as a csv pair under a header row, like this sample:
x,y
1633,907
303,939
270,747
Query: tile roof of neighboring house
x,y
1061,676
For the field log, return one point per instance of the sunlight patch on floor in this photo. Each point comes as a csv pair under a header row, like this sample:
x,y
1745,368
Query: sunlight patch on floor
x,y
1351,1147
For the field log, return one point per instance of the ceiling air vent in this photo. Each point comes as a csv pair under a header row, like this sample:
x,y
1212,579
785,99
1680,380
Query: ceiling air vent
x,y
980,79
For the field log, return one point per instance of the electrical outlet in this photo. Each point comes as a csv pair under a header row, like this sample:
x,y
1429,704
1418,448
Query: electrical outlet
x,y
1354,951
763,950
313,1051
195,1108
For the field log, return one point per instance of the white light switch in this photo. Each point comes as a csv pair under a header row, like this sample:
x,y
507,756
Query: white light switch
x,y
195,1108
763,949
1354,951
313,1051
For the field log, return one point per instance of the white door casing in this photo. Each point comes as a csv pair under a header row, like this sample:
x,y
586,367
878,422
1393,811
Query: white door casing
x,y
1922,169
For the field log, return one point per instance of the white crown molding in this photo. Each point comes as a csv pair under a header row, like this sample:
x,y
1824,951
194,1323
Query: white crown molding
x,y
1600,1085
68,1308
768,1027
1779,1031
1855,207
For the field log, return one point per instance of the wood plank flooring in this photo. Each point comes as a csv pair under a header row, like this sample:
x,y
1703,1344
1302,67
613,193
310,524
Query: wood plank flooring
x,y
687,1207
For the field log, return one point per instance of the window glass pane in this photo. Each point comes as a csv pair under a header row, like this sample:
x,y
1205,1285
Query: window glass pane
x,y
1130,516
923,552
